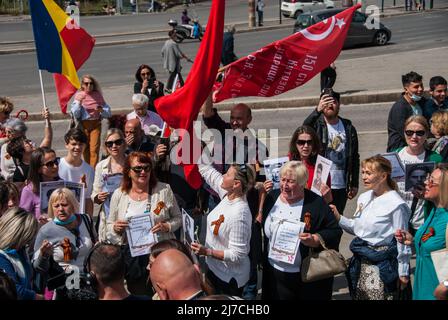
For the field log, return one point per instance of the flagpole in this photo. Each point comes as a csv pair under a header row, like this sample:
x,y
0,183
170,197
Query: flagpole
x,y
47,121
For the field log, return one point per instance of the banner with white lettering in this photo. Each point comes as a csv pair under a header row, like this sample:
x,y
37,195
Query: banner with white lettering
x,y
288,63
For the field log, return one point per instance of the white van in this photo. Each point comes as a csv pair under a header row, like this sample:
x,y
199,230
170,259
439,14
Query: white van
x,y
292,8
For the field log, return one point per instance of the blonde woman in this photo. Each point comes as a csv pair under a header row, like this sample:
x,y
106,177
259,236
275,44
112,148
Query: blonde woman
x,y
89,107
6,107
431,236
439,128
18,228
377,262
416,131
294,203
227,241
108,176
70,233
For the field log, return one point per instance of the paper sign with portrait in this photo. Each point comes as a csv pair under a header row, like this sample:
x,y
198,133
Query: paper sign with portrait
x,y
321,172
272,169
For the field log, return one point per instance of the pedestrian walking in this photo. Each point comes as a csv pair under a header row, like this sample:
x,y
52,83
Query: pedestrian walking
x,y
171,55
228,55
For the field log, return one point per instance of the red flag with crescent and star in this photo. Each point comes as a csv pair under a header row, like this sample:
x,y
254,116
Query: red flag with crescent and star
x,y
288,63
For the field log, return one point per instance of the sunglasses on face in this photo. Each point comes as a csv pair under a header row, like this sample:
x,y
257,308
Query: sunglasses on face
x,y
88,83
139,169
145,73
419,133
303,142
118,143
6,113
53,163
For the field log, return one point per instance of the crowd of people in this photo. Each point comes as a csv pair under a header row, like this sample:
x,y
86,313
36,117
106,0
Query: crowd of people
x,y
239,214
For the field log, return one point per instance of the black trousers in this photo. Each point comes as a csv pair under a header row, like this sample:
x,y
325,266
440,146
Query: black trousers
x,y
169,84
278,285
339,199
222,287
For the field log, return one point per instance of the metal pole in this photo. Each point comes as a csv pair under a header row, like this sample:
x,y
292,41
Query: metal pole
x,y
136,6
47,121
394,3
382,5
280,10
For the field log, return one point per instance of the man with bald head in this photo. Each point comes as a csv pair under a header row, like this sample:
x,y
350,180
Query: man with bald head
x,y
136,138
175,277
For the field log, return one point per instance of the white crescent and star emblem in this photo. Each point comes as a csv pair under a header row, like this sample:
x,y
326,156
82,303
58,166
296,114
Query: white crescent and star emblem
x,y
321,36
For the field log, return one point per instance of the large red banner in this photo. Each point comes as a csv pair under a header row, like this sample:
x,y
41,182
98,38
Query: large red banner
x,y
288,63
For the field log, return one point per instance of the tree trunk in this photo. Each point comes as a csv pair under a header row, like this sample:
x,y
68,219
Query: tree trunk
x,y
251,13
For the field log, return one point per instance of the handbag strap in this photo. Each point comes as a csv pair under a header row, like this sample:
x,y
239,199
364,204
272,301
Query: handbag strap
x,y
321,240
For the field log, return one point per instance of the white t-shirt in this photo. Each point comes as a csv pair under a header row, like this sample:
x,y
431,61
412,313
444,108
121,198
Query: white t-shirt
x,y
406,158
336,152
136,208
68,172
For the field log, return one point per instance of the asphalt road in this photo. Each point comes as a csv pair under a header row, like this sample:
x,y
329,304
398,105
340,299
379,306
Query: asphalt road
x,y
116,65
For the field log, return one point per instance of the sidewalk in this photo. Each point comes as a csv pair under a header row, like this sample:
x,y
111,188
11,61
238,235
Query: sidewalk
x,y
360,81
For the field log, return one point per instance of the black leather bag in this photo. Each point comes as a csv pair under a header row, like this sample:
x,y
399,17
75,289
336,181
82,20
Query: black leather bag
x,y
135,266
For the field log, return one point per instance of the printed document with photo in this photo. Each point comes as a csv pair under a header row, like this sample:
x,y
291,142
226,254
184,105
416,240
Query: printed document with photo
x,y
187,227
111,183
47,188
285,241
416,174
397,166
272,169
140,237
321,172
79,192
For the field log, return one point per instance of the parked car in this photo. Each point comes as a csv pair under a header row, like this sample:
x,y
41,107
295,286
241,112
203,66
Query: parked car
x,y
358,33
292,8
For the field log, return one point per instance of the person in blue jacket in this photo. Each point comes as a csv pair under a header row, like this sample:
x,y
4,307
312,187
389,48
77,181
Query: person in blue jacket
x,y
18,228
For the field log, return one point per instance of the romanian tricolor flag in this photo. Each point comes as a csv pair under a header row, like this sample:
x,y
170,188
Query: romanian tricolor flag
x,y
62,46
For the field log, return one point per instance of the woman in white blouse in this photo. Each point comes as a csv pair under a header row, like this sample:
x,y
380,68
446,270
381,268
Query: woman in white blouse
x,y
378,261
227,242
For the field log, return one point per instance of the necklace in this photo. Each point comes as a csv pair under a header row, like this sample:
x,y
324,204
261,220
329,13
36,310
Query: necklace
x,y
139,195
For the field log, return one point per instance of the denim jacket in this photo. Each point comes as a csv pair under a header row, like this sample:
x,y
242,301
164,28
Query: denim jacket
x,y
81,114
385,260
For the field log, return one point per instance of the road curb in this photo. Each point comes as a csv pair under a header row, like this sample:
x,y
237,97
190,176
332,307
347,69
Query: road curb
x,y
144,40
358,98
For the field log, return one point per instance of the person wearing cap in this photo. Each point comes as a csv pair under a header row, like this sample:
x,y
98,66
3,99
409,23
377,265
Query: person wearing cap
x,y
339,144
147,118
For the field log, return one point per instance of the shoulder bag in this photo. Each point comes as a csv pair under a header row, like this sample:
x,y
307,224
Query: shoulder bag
x,y
323,264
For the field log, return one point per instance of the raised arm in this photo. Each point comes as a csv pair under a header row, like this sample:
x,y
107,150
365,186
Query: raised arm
x,y
48,130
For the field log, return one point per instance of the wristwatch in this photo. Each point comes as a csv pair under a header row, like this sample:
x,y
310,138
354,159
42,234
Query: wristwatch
x,y
445,283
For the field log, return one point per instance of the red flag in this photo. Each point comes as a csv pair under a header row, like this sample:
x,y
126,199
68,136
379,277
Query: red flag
x,y
181,108
288,63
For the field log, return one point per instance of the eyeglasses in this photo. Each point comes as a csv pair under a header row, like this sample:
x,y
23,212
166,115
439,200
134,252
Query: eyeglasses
x,y
139,169
145,73
88,83
303,142
430,182
419,133
53,163
118,143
